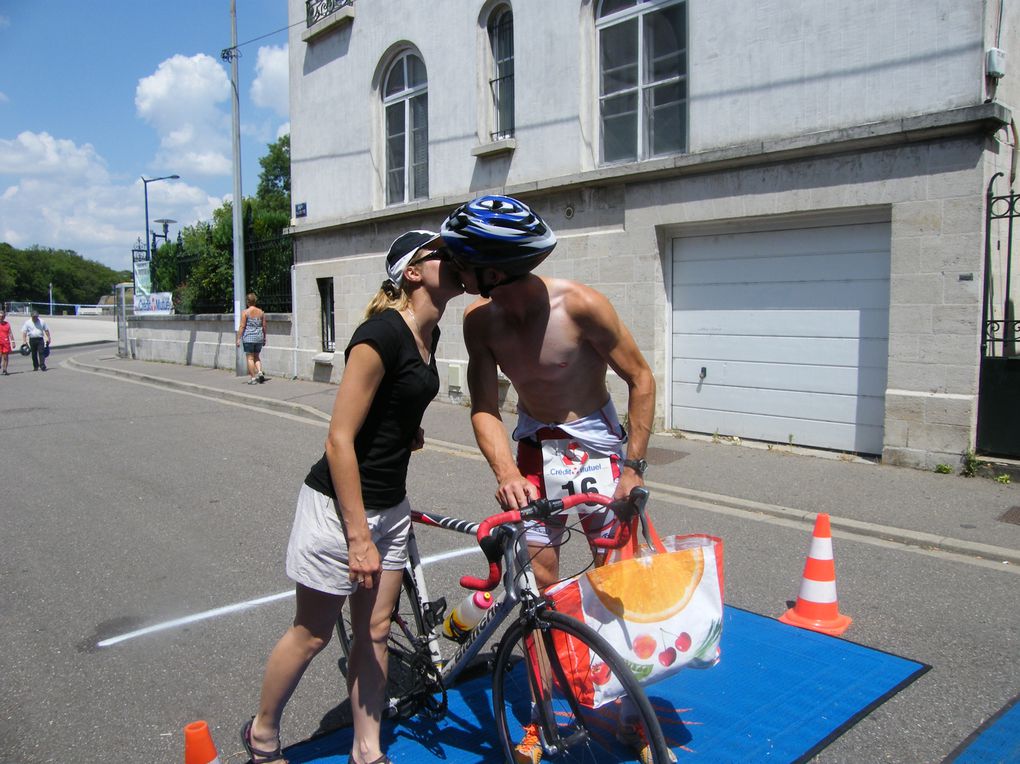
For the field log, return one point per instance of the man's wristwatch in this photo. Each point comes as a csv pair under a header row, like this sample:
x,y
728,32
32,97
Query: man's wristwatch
x,y
638,465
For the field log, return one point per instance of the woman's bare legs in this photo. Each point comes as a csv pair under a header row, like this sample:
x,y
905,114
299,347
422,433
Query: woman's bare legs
x,y
251,364
371,610
315,617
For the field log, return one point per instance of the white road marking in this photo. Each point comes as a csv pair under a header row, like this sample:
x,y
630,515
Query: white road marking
x,y
240,606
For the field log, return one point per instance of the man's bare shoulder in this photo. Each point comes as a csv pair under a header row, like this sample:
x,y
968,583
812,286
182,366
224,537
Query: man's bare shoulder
x,y
481,307
579,300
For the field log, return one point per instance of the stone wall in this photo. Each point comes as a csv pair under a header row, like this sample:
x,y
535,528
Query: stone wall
x,y
208,340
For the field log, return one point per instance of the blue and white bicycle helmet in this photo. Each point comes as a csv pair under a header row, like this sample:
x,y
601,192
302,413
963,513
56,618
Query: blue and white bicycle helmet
x,y
497,232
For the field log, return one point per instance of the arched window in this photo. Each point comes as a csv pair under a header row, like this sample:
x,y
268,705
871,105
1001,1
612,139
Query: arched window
x,y
642,78
406,105
501,82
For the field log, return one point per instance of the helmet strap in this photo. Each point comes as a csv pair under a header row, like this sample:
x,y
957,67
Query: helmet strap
x,y
485,289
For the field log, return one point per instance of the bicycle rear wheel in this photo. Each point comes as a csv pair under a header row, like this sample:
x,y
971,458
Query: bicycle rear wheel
x,y
569,730
413,682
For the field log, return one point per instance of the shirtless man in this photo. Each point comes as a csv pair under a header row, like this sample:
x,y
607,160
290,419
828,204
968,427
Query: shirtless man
x,y
555,340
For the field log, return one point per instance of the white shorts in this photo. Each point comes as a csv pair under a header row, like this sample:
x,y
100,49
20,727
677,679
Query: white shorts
x,y
317,552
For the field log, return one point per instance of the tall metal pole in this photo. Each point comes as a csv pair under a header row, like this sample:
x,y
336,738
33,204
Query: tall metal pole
x,y
148,249
238,203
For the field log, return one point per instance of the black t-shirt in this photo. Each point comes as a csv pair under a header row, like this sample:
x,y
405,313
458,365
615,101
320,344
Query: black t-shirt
x,y
383,444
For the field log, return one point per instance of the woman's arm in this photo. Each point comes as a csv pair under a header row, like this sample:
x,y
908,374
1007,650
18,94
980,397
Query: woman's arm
x,y
362,376
240,326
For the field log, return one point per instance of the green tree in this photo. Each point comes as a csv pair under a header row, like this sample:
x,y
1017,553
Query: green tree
x,y
206,250
26,275
274,180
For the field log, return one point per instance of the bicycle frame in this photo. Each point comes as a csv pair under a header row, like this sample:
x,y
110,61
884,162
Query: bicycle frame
x,y
517,577
516,565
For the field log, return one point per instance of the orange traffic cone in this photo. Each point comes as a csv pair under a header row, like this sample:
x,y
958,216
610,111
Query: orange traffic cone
x,y
198,745
817,607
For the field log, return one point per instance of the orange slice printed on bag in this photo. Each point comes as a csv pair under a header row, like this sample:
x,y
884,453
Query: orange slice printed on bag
x,y
648,589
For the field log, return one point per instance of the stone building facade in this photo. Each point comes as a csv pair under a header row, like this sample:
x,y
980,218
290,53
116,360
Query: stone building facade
x,y
786,202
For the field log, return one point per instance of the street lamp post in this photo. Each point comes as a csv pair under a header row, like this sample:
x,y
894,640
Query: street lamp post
x,y
148,236
165,236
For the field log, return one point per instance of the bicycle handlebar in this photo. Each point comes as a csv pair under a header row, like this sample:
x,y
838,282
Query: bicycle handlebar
x,y
542,509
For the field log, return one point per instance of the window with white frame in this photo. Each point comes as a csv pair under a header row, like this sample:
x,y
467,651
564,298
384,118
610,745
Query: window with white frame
x,y
501,83
642,78
406,107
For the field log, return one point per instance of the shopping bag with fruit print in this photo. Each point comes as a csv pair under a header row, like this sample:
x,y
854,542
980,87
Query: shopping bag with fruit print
x,y
659,604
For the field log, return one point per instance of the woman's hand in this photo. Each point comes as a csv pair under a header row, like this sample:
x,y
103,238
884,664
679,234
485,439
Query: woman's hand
x,y
418,441
364,564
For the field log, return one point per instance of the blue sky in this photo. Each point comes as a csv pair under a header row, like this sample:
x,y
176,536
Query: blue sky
x,y
95,95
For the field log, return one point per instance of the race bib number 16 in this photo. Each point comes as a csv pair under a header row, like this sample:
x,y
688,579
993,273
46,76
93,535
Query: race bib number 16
x,y
569,468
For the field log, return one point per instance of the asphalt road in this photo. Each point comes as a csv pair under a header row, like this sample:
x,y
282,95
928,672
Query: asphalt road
x,y
125,505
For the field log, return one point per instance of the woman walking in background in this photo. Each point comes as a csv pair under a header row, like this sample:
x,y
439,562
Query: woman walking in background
x,y
252,332
349,538
6,342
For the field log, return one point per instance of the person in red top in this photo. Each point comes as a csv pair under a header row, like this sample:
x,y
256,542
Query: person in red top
x,y
5,342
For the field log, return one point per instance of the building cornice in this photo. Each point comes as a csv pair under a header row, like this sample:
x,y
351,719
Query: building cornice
x,y
982,119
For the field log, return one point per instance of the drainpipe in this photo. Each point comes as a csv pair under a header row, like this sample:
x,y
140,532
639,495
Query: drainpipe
x,y
294,317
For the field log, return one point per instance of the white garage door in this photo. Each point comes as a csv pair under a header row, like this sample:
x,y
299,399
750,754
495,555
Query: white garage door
x,y
783,335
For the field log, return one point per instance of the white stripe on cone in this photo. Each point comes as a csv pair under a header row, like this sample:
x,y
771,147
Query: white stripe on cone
x,y
818,591
821,548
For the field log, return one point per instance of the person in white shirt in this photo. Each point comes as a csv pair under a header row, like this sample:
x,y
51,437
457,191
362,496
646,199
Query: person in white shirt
x,y
36,334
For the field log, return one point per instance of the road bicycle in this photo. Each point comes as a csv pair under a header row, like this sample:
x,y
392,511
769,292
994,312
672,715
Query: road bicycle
x,y
532,680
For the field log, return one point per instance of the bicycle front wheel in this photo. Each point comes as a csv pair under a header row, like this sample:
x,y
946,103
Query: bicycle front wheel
x,y
534,682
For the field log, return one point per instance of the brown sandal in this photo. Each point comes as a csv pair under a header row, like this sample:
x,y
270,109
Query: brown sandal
x,y
257,756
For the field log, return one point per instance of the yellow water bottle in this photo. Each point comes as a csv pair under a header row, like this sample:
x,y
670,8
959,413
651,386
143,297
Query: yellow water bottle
x,y
466,615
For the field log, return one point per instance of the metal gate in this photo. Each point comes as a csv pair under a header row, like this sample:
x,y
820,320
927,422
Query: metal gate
x,y
998,426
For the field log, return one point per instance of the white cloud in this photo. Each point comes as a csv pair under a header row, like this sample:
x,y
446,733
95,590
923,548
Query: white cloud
x,y
284,130
271,86
4,22
62,197
182,103
36,154
4,98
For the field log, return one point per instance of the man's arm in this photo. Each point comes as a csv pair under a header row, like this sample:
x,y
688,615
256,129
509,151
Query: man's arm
x,y
513,491
614,342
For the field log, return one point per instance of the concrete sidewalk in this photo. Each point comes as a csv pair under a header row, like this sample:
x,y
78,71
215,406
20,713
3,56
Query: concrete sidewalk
x,y
948,513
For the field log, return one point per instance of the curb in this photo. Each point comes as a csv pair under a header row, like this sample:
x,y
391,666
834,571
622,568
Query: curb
x,y
297,409
710,501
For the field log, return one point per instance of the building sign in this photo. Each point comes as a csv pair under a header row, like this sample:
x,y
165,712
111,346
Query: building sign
x,y
158,303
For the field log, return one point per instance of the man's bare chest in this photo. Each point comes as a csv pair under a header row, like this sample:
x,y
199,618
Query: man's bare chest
x,y
550,355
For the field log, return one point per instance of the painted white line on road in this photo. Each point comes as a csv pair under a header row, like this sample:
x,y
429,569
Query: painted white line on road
x,y
241,606
195,618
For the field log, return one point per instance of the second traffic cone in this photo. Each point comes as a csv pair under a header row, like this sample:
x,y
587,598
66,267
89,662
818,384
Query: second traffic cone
x,y
817,607
198,745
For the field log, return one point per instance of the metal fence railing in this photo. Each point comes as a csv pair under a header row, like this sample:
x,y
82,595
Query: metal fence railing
x,y
317,10
25,308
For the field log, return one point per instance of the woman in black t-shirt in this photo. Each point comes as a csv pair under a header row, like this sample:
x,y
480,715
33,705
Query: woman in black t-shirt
x,y
349,537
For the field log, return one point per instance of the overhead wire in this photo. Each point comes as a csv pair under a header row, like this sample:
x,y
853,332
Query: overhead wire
x,y
236,48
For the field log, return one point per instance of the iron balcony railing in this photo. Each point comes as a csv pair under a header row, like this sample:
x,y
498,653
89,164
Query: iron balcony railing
x,y
317,10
